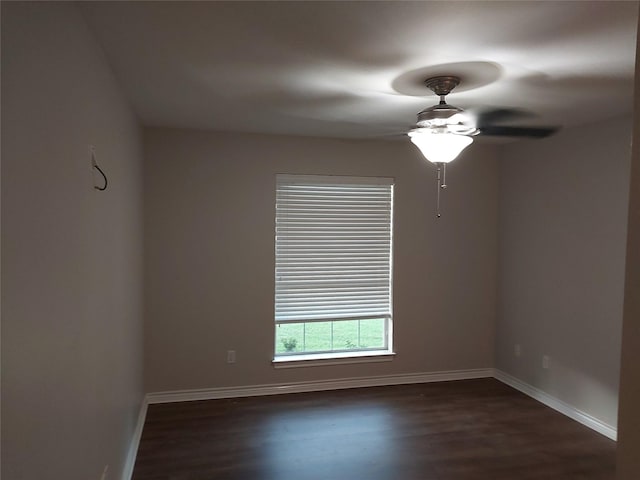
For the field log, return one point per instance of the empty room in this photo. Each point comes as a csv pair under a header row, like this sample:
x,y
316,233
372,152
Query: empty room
x,y
328,240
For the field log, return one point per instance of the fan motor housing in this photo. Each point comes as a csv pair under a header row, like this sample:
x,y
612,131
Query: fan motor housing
x,y
438,114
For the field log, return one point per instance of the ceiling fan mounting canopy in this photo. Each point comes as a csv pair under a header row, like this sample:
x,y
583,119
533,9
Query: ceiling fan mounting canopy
x,y
442,85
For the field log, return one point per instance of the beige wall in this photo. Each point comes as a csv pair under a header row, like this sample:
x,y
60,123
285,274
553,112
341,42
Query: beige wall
x,y
209,256
563,216
71,256
629,419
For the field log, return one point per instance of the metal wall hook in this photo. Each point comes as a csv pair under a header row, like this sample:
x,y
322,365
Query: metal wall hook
x,y
92,151
103,176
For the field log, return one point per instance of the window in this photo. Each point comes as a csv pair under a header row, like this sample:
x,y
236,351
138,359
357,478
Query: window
x,y
333,266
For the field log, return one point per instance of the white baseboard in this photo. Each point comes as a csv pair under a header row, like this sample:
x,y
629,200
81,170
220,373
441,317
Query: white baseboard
x,y
315,386
130,461
558,405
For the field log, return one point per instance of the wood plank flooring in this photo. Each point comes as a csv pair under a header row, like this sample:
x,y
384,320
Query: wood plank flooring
x,y
471,429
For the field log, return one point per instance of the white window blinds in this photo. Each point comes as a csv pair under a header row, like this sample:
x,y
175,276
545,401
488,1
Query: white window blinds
x,y
333,248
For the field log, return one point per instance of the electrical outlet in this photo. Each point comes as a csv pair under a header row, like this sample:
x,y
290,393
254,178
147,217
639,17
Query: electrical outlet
x,y
517,350
231,356
104,473
546,361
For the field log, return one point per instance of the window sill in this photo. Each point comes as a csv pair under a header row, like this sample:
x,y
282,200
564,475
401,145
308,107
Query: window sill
x,y
320,359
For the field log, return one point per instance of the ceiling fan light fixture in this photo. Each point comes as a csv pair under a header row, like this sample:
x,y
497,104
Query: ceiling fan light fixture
x,y
439,147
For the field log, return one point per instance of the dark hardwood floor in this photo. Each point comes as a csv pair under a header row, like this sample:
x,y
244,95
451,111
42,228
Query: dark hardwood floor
x,y
472,429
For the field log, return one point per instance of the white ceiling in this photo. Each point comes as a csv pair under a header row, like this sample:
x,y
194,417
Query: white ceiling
x,y
355,69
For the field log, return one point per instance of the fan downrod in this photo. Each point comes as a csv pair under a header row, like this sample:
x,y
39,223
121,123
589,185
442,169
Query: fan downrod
x,y
442,85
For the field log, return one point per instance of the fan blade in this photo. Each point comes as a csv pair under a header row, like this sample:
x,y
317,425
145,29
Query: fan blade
x,y
484,117
531,132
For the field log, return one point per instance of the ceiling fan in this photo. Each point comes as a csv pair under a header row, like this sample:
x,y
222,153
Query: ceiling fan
x,y
443,130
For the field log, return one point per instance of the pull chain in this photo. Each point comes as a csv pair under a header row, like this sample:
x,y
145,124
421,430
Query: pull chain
x,y
442,184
